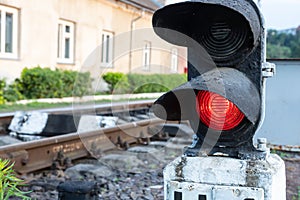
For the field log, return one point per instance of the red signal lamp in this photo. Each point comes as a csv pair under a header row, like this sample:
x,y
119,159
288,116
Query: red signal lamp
x,y
217,112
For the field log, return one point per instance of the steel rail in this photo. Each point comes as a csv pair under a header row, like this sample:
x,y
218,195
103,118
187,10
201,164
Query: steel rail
x,y
35,155
88,108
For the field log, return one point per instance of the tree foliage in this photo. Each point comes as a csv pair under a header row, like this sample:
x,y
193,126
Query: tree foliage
x,y
282,44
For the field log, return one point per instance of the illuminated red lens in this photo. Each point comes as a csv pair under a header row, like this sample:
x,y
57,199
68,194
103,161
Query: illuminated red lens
x,y
217,112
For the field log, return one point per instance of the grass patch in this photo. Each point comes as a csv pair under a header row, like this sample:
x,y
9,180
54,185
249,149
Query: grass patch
x,y
13,107
10,183
284,154
30,106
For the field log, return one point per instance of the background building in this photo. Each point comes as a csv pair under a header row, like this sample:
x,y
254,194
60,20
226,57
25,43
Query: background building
x,y
84,35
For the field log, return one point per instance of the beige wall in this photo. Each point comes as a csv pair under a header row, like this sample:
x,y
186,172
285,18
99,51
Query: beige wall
x,y
38,33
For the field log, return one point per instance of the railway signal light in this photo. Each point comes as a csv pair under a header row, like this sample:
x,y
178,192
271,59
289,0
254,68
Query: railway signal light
x,y
224,96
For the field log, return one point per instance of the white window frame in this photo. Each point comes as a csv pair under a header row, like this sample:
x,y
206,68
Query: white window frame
x,y
146,55
174,59
15,40
107,48
62,36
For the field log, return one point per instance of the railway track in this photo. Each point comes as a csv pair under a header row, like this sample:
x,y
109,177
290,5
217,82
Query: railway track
x,y
60,150
39,154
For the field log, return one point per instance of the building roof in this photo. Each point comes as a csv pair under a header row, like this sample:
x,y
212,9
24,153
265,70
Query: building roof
x,y
150,5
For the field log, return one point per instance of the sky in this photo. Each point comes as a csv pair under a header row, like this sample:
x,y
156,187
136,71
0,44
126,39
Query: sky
x,y
278,14
281,14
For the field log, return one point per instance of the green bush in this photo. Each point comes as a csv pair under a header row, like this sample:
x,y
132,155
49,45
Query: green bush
x,y
117,81
141,83
40,82
9,93
2,87
82,84
12,92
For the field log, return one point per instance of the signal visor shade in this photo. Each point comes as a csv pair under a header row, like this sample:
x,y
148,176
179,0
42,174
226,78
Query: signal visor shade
x,y
217,112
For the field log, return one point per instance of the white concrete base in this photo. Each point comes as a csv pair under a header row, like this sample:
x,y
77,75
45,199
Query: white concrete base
x,y
223,178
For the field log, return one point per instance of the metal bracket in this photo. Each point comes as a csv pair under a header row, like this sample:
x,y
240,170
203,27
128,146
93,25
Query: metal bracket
x,y
268,70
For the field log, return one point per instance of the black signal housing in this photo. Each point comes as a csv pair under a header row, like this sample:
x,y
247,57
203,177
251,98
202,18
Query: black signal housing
x,y
225,42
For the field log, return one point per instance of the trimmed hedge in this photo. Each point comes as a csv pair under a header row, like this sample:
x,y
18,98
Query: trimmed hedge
x,y
141,83
40,82
46,83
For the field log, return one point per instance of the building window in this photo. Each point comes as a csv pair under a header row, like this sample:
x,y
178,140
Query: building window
x,y
146,55
8,32
107,49
65,46
174,60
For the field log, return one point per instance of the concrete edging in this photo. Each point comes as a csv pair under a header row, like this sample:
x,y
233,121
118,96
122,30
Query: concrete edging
x,y
92,98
